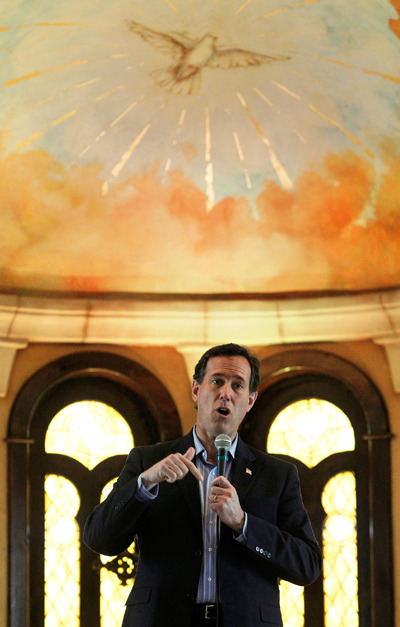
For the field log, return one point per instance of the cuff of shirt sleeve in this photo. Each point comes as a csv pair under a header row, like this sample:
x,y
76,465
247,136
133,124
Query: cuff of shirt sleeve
x,y
142,494
242,537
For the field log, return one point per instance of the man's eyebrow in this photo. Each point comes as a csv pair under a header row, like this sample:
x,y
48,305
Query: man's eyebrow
x,y
234,376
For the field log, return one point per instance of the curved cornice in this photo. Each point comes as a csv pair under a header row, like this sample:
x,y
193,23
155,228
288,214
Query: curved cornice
x,y
179,322
190,325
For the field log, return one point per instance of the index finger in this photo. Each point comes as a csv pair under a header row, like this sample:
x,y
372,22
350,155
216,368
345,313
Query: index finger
x,y
191,466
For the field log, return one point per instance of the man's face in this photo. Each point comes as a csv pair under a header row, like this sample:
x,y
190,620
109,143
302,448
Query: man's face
x,y
223,398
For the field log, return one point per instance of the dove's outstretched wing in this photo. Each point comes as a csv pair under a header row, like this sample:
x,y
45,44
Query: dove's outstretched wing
x,y
235,57
174,44
191,56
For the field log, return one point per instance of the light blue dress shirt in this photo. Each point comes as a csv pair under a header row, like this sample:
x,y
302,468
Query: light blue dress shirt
x,y
207,589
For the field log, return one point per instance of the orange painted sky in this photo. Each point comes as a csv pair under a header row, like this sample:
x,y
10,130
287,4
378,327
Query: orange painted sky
x,y
277,177
57,232
395,24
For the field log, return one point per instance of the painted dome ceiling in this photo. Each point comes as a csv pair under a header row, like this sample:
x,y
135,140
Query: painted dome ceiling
x,y
200,146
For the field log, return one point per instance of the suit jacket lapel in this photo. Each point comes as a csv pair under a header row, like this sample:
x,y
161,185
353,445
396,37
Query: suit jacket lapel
x,y
244,469
189,486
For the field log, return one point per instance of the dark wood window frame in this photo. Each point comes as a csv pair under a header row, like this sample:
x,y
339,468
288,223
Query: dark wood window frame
x,y
297,374
106,377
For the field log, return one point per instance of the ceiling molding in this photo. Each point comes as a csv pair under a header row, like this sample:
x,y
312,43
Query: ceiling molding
x,y
199,322
193,326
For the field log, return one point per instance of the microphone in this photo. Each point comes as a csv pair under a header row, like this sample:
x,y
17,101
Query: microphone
x,y
222,443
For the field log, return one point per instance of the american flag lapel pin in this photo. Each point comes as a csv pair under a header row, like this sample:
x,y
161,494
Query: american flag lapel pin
x,y
249,472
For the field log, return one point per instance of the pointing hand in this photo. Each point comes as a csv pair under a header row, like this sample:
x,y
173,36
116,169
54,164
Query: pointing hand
x,y
171,469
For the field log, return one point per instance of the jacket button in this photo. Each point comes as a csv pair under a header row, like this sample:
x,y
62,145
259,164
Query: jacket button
x,y
198,552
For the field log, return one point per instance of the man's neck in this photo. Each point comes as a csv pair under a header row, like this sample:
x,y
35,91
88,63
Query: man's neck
x,y
208,441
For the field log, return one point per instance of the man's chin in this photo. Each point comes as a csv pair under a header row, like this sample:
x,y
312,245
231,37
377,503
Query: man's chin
x,y
222,424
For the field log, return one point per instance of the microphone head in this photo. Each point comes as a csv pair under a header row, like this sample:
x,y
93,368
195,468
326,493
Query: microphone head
x,y
222,441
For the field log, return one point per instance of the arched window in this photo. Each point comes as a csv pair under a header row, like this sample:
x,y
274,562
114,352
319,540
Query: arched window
x,y
321,413
71,429
311,430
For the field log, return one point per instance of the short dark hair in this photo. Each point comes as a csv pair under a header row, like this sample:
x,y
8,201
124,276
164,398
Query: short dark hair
x,y
229,350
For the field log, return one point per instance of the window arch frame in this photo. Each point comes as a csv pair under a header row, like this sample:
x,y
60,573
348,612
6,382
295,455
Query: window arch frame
x,y
296,374
97,375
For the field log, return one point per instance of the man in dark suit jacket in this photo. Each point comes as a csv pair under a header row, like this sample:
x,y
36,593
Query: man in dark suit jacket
x,y
212,549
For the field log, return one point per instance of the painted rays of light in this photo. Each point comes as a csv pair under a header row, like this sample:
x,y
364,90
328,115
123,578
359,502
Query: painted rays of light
x,y
110,102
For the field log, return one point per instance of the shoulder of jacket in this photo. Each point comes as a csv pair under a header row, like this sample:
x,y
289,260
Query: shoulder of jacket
x,y
271,461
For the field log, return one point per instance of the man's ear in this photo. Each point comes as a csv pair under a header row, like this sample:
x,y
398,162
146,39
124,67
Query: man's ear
x,y
195,390
252,400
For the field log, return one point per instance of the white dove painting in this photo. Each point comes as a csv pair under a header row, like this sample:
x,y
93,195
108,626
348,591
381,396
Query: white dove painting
x,y
199,146
192,55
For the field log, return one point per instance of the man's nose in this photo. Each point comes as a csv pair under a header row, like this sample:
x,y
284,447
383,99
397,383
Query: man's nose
x,y
224,391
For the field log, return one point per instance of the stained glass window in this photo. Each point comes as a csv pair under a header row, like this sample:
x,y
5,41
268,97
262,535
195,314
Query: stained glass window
x,y
292,604
340,551
61,561
88,431
311,430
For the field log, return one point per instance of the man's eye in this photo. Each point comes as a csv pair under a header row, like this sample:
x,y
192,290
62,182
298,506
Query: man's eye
x,y
238,386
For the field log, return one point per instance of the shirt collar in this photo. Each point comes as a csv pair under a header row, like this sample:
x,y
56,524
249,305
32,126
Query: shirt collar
x,y
200,448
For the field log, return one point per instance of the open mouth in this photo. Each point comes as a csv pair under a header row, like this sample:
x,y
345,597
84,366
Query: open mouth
x,y
224,411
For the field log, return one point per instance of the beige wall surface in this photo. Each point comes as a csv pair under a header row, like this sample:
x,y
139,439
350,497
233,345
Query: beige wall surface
x,y
170,367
